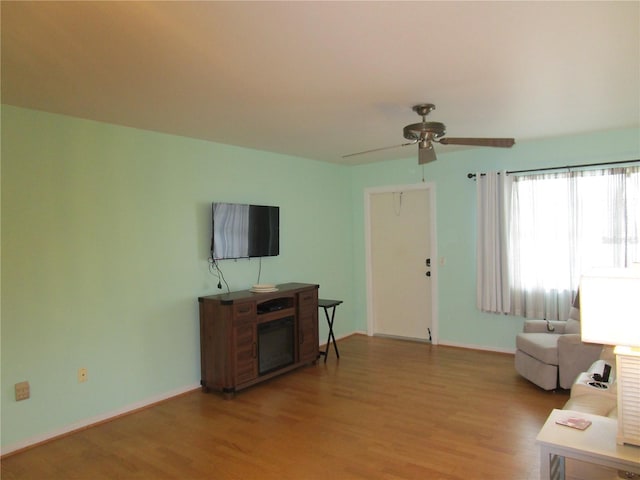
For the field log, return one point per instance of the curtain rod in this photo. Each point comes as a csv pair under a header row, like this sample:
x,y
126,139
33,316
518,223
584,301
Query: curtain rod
x,y
569,167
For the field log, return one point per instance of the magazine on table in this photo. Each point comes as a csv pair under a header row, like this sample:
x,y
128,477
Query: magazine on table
x,y
574,422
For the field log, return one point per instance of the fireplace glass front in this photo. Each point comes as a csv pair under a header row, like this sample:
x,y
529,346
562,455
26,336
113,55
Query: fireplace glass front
x,y
275,345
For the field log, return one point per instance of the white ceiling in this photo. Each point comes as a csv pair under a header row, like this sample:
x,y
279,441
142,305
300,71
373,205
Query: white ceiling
x,y
323,79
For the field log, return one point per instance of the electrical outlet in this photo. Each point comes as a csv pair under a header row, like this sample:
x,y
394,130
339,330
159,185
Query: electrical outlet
x,y
82,375
22,391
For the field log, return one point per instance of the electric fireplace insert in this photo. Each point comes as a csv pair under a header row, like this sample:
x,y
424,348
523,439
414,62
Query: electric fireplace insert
x,y
275,344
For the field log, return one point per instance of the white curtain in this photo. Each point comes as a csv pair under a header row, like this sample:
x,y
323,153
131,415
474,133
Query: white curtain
x,y
564,224
542,232
492,272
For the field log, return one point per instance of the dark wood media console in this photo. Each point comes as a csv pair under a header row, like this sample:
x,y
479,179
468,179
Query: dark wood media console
x,y
247,337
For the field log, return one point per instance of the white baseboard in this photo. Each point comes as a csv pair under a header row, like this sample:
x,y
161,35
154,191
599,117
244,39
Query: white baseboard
x,y
340,337
88,422
511,351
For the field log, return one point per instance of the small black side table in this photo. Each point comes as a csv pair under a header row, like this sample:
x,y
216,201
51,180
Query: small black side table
x,y
327,304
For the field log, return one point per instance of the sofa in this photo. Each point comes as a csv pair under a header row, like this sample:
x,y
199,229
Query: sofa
x,y
587,399
551,353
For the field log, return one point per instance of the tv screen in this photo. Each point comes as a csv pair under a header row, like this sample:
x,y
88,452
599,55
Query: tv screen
x,y
244,231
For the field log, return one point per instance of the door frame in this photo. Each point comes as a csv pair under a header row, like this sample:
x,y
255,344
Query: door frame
x,y
431,195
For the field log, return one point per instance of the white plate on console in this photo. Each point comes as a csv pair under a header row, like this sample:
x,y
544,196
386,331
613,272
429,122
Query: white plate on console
x,y
263,288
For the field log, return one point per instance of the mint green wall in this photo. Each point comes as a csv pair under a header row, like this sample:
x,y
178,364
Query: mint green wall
x,y
105,236
459,321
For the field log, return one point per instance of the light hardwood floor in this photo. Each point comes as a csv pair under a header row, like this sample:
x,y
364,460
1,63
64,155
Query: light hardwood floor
x,y
388,409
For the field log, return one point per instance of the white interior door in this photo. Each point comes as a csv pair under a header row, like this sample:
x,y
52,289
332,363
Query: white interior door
x,y
400,244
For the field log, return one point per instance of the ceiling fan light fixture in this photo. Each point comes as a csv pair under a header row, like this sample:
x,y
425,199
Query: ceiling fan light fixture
x,y
418,131
426,152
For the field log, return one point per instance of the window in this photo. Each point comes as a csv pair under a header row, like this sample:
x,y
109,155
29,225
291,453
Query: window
x,y
563,224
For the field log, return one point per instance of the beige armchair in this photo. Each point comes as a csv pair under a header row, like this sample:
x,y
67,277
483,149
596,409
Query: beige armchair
x,y
551,354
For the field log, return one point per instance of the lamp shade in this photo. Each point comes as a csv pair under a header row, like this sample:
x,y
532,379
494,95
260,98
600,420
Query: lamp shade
x,y
610,306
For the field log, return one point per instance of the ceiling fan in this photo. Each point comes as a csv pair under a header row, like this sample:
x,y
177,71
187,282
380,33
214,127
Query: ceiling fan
x,y
426,133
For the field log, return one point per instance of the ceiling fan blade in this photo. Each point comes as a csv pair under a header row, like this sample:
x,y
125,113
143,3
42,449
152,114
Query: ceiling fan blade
x,y
426,154
479,142
379,149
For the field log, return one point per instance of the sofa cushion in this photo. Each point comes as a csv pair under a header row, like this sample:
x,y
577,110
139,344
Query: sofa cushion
x,y
574,314
573,323
572,326
542,346
608,355
594,404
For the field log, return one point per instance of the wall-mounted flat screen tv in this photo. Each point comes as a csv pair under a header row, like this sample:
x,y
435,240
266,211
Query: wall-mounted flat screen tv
x,y
244,231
